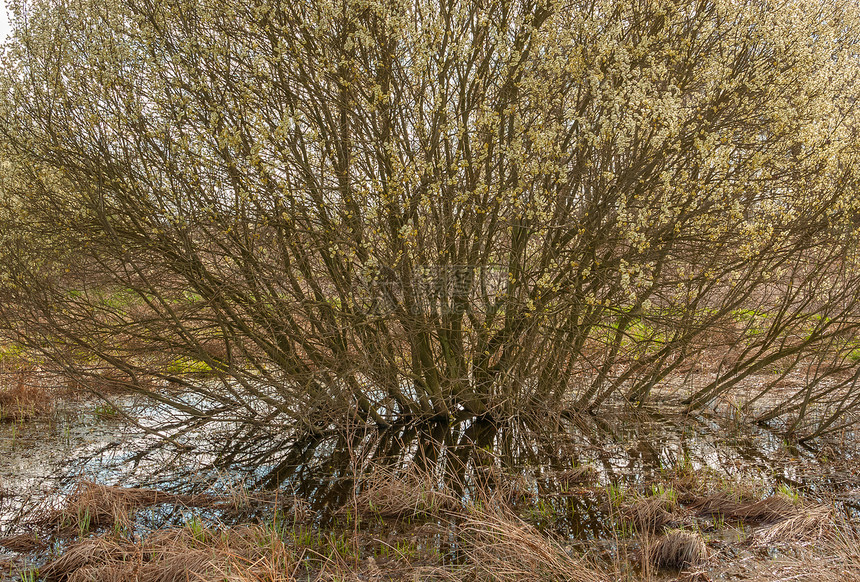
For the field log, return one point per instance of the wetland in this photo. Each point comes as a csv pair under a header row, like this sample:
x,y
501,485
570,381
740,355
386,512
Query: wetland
x,y
130,490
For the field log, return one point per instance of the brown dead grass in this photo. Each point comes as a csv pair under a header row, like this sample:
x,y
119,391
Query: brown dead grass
x,y
502,547
87,553
258,553
97,506
493,544
105,506
21,543
811,525
768,510
678,549
394,496
651,513
692,485
176,555
23,395
833,558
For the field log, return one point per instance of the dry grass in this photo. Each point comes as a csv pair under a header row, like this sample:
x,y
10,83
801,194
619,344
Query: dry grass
x,y
255,553
693,485
22,395
812,525
176,555
834,557
86,554
394,496
21,543
697,576
96,506
772,509
678,549
491,541
650,513
842,551
502,547
251,553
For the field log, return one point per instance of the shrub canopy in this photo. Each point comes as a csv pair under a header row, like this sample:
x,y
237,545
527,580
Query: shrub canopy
x,y
413,209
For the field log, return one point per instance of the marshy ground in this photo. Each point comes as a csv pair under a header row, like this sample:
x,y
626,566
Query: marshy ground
x,y
90,494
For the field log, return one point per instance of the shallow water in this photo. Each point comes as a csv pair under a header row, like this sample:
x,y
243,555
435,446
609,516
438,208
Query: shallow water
x,y
42,459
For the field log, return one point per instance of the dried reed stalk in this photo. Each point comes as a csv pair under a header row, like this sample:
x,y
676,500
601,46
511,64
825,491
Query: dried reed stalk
x,y
811,525
769,510
26,542
104,506
500,546
23,395
678,549
651,513
242,554
391,495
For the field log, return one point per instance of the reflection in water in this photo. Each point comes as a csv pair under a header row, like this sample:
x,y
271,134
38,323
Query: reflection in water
x,y
43,456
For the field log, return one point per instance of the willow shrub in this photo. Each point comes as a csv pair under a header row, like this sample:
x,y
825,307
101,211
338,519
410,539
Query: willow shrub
x,y
399,210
